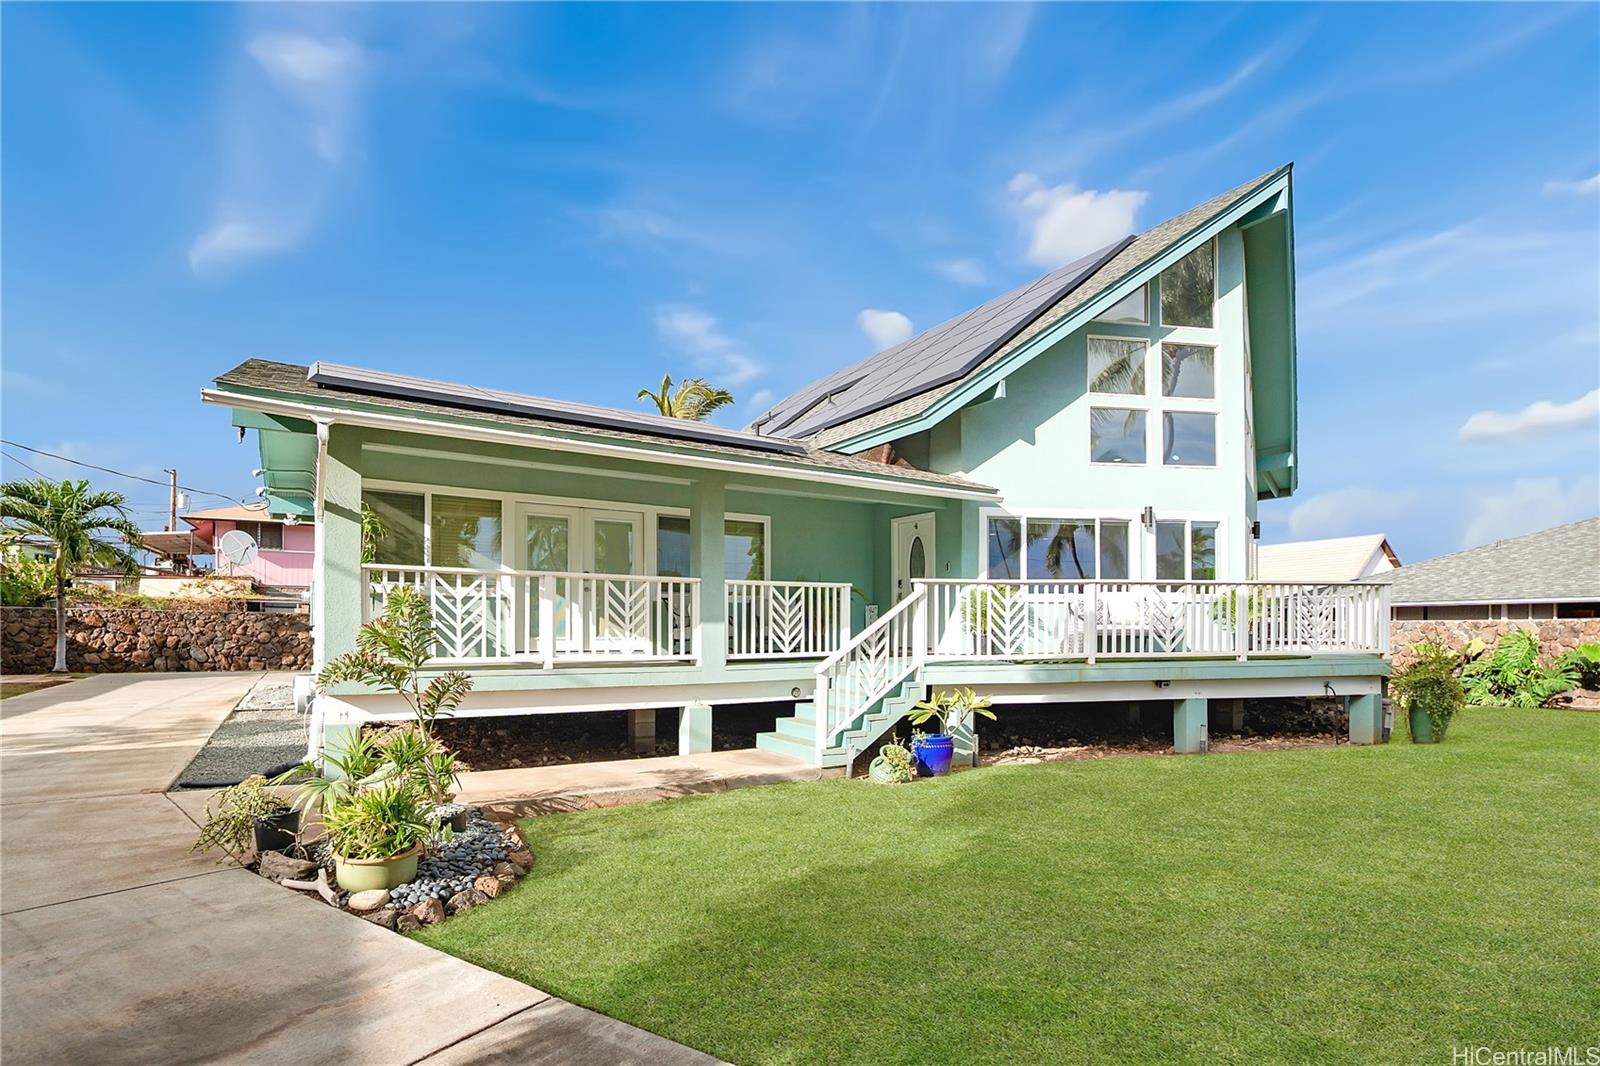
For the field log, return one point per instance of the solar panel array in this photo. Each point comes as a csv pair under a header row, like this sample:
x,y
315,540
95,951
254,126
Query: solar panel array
x,y
381,383
930,359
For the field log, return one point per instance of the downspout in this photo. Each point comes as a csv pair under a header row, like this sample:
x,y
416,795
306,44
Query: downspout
x,y
319,586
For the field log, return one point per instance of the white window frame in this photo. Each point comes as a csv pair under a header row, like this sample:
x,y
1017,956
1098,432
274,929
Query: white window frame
x,y
1216,289
1136,538
1161,438
1144,286
1088,375
1188,520
509,502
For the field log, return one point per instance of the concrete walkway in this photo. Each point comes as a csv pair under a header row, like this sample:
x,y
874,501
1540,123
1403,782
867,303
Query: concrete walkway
x,y
582,786
118,946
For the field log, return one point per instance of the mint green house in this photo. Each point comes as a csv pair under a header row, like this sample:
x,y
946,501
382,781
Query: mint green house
x,y
1050,498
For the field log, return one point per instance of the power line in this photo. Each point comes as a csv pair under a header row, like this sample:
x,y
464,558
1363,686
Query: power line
x,y
108,470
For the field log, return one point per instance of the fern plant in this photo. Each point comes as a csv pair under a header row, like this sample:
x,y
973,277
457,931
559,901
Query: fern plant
x,y
1513,675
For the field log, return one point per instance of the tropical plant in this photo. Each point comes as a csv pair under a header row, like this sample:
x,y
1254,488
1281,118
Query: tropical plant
x,y
899,766
373,531
952,707
343,772
24,580
378,822
1585,659
692,399
74,519
392,651
237,811
1513,676
1430,684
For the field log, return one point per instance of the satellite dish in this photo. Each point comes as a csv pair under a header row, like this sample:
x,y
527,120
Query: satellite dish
x,y
238,547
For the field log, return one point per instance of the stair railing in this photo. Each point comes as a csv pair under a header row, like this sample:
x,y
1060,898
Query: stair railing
x,y
867,668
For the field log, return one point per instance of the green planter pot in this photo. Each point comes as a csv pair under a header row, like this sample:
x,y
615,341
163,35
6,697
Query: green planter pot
x,y
1422,731
358,875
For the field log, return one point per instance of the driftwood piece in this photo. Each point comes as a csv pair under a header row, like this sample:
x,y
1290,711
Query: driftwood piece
x,y
320,886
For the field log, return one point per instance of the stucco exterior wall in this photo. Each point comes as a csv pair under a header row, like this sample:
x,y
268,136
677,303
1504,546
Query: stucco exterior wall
x,y
1033,444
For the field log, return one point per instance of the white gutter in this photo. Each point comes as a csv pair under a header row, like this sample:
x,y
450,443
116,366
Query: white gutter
x,y
401,423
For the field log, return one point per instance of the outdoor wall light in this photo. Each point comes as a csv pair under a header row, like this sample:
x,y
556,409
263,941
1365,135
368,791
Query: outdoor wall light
x,y
795,692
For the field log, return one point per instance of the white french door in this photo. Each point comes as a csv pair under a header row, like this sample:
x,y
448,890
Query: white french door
x,y
590,614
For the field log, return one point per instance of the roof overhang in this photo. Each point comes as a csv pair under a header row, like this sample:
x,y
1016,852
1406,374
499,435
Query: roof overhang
x,y
296,417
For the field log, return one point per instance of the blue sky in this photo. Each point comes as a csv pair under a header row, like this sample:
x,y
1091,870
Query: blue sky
x,y
573,200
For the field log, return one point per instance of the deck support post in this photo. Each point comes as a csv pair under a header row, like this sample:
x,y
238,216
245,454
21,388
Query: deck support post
x,y
1366,718
642,730
965,737
694,729
1233,711
1189,732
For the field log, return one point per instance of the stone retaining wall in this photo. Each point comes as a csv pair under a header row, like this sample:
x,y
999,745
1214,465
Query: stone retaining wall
x,y
101,640
1555,635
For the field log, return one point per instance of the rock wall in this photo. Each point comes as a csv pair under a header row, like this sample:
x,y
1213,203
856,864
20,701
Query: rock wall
x,y
101,640
1555,635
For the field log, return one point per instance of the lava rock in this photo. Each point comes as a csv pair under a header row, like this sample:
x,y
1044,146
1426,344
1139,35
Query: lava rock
x,y
278,866
406,922
384,917
460,903
428,911
489,885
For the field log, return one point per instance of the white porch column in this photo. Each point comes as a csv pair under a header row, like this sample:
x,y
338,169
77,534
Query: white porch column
x,y
706,520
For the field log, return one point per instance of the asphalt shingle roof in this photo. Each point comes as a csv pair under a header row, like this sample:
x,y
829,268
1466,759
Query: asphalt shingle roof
x,y
289,381
1562,563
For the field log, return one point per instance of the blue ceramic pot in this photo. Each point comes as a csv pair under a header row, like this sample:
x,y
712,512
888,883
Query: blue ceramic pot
x,y
933,754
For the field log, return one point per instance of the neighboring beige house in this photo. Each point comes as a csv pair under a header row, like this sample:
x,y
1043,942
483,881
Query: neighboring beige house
x,y
1333,559
1554,573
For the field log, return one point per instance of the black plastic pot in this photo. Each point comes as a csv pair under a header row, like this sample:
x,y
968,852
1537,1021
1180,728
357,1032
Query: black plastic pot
x,y
278,832
458,821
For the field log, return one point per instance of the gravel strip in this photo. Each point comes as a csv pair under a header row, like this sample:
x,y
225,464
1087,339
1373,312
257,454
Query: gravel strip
x,y
262,735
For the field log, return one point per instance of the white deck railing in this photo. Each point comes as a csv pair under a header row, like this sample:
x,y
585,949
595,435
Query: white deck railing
x,y
787,619
1032,620
548,618
1040,621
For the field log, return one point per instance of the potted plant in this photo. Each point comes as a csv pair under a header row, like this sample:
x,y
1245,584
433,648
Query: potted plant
x,y
377,834
952,708
893,765
1429,691
248,811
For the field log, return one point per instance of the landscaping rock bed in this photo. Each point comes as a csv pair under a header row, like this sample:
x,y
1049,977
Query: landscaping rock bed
x,y
471,868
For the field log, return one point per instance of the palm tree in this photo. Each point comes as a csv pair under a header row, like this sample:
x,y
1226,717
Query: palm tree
x,y
692,399
68,515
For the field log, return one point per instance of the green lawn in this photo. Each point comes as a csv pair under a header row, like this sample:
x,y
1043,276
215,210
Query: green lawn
x,y
1333,905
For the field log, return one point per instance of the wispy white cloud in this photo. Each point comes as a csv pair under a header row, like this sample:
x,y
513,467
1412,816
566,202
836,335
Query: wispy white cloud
x,y
1349,511
962,271
885,328
697,333
1527,505
1539,416
1063,222
638,223
1581,187
291,106
1481,268
758,401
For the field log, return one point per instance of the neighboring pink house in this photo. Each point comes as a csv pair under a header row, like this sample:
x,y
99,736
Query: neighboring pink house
x,y
284,551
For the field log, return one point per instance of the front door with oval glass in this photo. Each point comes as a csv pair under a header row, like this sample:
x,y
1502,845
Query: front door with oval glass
x,y
913,552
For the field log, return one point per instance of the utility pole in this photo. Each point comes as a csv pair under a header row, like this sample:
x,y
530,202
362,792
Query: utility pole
x,y
172,512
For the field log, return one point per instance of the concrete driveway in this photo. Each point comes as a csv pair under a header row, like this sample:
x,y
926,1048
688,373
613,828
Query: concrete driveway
x,y
118,946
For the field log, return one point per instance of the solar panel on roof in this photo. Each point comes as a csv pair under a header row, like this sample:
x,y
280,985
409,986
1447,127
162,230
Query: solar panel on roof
x,y
930,359
403,386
